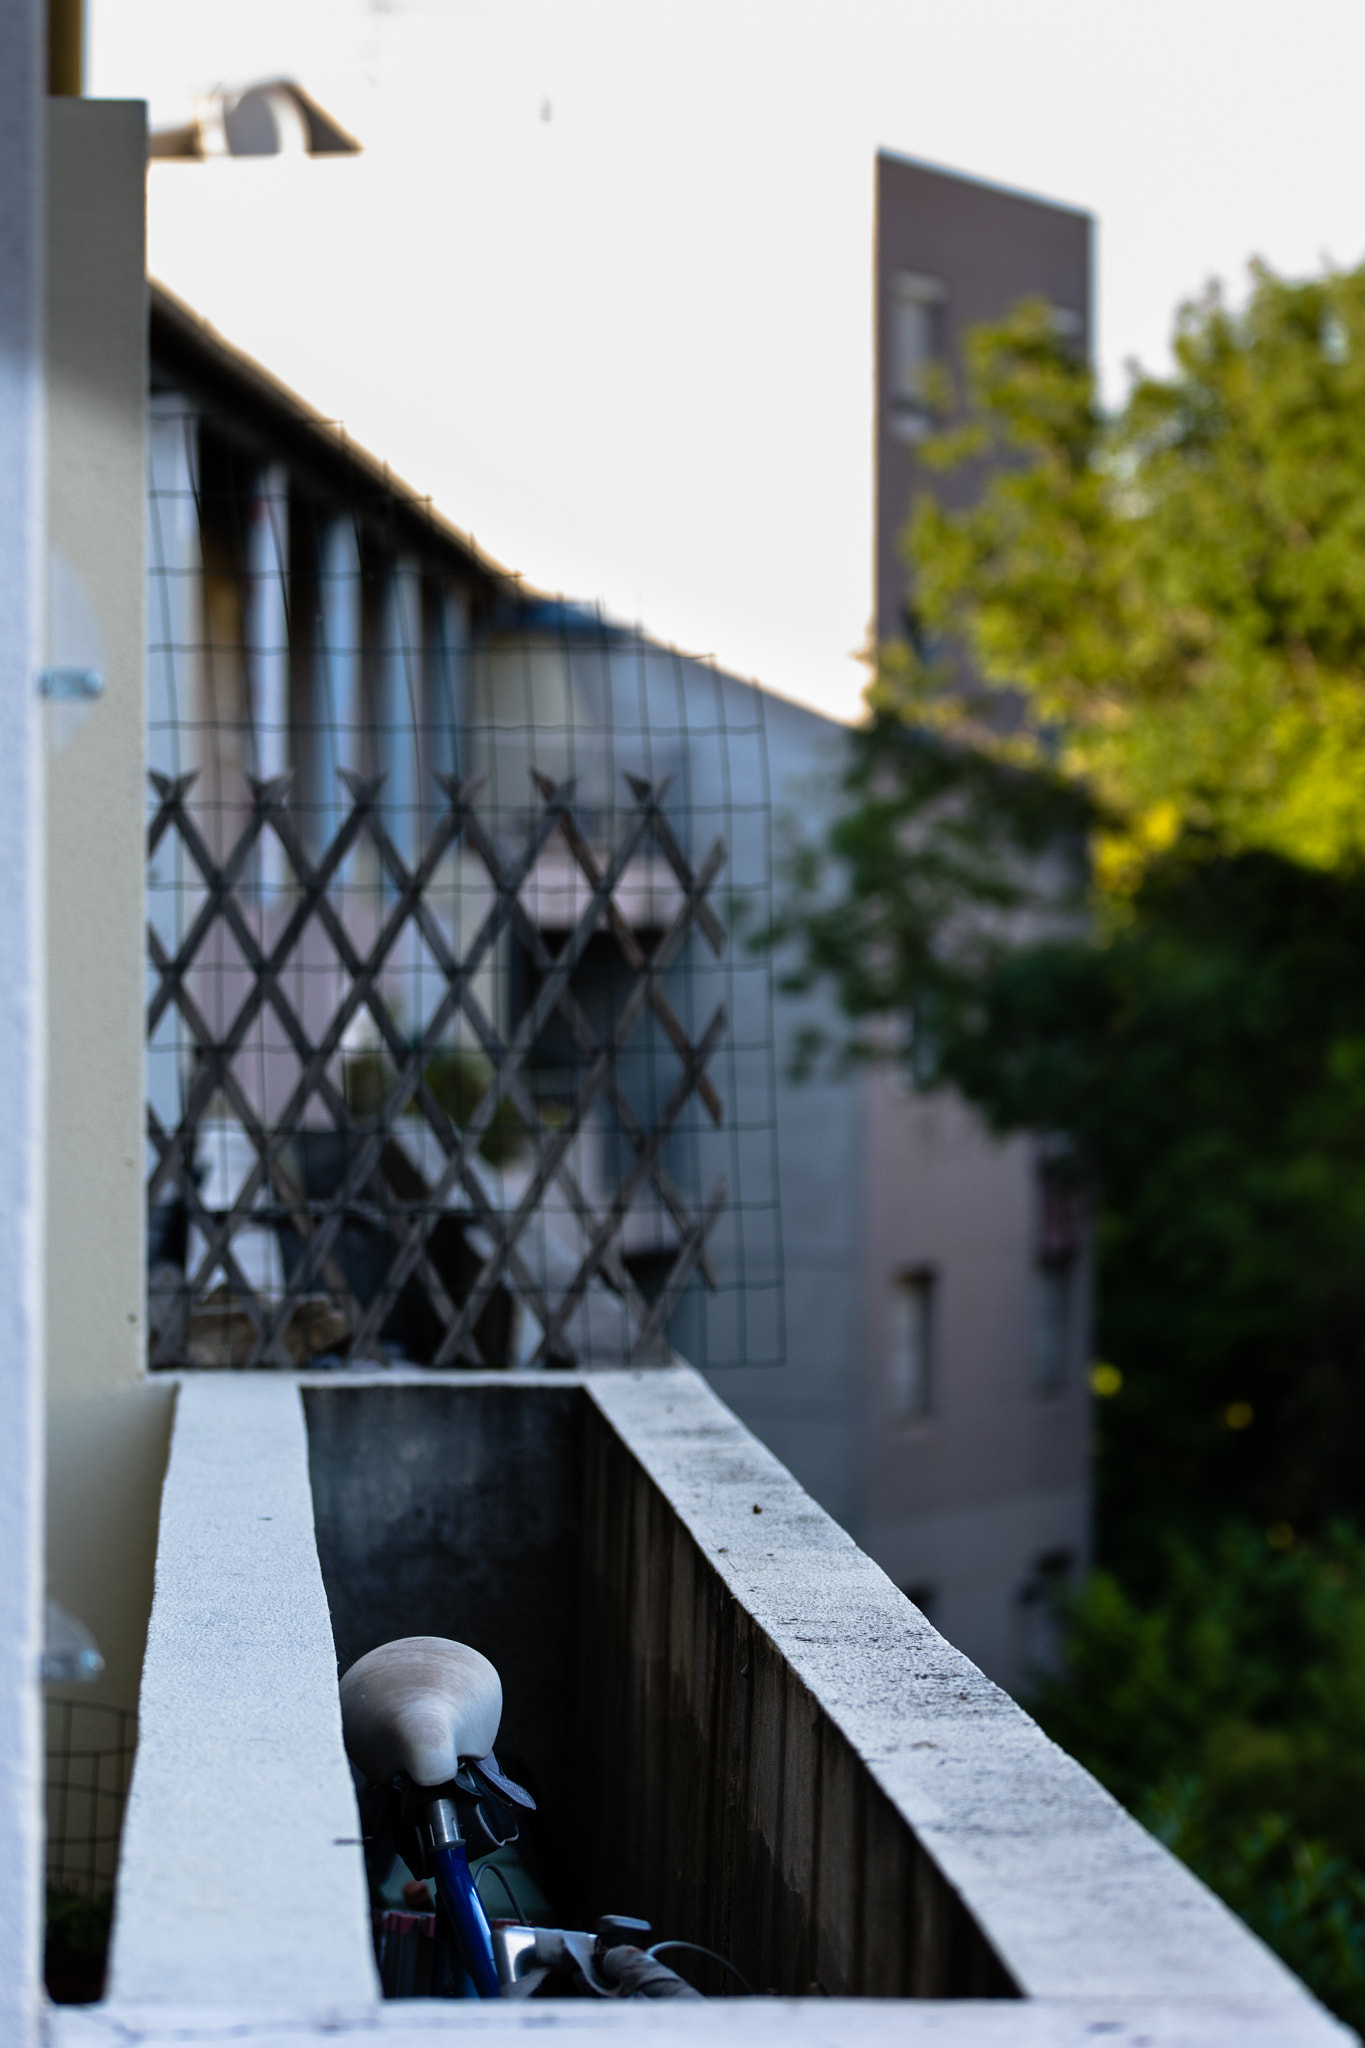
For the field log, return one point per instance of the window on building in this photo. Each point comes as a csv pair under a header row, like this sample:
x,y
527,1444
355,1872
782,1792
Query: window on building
x,y
1051,1324
910,1360
1060,1234
916,342
1038,1614
601,982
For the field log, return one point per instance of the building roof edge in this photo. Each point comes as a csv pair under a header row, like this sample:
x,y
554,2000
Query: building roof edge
x,y
186,344
997,185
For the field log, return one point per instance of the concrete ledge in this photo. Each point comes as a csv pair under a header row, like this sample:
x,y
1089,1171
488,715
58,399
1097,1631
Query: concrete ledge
x,y
241,1880
242,1910
1075,1898
754,2023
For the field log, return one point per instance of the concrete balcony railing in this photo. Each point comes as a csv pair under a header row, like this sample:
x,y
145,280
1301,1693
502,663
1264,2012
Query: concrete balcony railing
x,y
741,1729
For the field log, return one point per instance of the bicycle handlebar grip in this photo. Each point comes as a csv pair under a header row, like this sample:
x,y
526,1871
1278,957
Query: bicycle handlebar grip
x,y
614,1929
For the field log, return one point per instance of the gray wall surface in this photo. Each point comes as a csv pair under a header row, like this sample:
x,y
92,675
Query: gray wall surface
x,y
838,1184
983,1497
455,1511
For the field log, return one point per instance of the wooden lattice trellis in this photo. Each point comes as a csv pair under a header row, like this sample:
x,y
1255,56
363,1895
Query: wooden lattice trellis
x,y
379,1182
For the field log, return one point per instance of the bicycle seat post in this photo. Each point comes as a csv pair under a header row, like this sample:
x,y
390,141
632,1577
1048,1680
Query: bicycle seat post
x,y
447,1858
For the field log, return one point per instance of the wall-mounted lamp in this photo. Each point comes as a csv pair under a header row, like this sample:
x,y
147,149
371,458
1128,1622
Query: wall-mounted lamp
x,y
274,118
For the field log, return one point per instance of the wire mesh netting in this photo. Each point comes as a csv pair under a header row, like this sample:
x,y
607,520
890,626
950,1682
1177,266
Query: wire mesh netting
x,y
457,1050
89,1763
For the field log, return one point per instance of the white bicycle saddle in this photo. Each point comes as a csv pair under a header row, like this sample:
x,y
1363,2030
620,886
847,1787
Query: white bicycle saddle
x,y
421,1705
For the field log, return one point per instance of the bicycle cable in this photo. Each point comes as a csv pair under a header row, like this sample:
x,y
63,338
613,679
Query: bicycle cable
x,y
501,1876
697,1950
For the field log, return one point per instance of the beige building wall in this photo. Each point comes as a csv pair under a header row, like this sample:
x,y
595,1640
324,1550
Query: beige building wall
x,y
984,1498
983,1501
107,1424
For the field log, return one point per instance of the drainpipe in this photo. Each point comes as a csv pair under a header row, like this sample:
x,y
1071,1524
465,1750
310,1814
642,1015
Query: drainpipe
x,y
400,703
448,712
338,721
267,647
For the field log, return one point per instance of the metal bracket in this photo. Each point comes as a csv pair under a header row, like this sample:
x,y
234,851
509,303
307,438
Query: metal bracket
x,y
70,685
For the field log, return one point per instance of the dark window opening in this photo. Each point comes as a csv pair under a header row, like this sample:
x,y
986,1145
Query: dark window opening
x,y
1039,1612
910,1346
601,982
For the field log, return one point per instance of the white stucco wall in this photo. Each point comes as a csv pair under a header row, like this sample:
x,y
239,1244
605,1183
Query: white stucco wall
x,y
21,1013
106,1424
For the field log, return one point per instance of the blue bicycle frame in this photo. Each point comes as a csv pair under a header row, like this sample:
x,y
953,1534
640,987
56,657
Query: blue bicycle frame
x,y
464,1910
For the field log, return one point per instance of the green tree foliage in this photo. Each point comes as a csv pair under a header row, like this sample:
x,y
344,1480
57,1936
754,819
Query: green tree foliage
x,y
1147,639
1208,1058
1206,1055
1226,1714
1172,603
912,900
1179,590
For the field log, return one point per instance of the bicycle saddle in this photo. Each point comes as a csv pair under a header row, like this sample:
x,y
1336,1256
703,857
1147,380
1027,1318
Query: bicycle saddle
x,y
422,1705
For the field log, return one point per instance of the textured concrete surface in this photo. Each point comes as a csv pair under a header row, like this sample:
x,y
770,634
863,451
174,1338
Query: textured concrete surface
x,y
746,1819
971,1562
1076,1898
241,1879
236,1890
781,2022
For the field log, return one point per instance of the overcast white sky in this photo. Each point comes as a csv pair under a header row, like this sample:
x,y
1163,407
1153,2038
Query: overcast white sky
x,y
601,282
